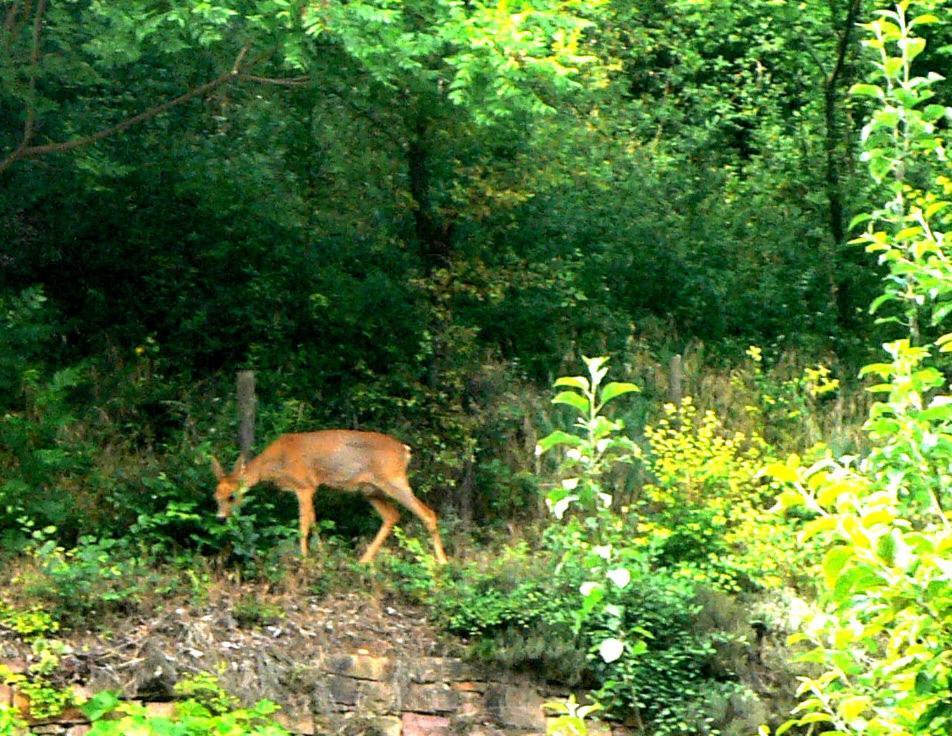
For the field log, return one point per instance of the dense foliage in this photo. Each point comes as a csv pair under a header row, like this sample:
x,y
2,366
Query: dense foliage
x,y
412,217
399,213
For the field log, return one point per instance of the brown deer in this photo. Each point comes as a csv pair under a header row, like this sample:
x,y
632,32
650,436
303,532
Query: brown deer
x,y
372,463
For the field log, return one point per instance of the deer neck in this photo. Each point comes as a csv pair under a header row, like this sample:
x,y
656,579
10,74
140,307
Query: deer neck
x,y
252,473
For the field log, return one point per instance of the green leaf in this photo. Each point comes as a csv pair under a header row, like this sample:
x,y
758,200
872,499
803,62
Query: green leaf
x,y
940,410
931,113
596,368
788,500
879,167
579,382
867,90
785,726
912,46
812,528
559,501
880,369
921,20
576,401
615,388
935,207
558,437
99,705
603,427
940,313
852,707
893,67
611,649
859,219
816,718
833,562
784,472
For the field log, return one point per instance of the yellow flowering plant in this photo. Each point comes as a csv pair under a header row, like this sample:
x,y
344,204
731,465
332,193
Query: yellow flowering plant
x,y
706,513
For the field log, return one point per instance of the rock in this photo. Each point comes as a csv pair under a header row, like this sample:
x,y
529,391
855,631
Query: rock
x,y
483,730
599,728
442,669
431,699
156,675
81,693
418,724
378,697
471,706
389,726
515,706
469,687
322,700
361,666
104,679
343,690
48,728
302,724
16,666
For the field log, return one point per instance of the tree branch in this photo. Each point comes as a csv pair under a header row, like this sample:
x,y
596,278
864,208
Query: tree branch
x,y
282,81
34,64
26,151
844,44
8,22
15,21
369,116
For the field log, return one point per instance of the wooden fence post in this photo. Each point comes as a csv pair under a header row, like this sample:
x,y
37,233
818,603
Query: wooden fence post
x,y
675,380
246,412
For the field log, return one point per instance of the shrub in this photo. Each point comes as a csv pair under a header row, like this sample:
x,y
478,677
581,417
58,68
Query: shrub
x,y
95,577
706,515
522,611
193,716
636,608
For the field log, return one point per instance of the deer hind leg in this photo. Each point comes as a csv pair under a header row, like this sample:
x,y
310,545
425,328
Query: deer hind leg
x,y
402,493
305,514
390,517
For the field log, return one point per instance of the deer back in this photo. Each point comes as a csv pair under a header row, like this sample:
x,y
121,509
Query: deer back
x,y
345,459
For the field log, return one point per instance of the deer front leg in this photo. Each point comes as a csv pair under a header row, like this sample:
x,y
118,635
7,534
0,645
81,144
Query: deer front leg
x,y
305,514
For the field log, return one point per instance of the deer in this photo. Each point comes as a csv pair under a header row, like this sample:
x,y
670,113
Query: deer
x,y
371,463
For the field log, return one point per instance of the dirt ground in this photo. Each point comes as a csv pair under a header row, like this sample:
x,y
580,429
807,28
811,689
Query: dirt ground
x,y
253,639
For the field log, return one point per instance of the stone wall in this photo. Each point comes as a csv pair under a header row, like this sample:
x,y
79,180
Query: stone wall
x,y
360,694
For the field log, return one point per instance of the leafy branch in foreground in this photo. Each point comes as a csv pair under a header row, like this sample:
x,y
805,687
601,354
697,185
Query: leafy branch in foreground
x,y
883,642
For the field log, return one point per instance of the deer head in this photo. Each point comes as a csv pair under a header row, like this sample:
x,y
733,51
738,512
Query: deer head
x,y
231,486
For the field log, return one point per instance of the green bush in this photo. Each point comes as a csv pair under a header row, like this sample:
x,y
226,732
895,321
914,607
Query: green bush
x,y
97,576
521,611
191,718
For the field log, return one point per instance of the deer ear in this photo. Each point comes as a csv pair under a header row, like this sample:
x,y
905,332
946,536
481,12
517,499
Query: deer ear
x,y
239,468
216,469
